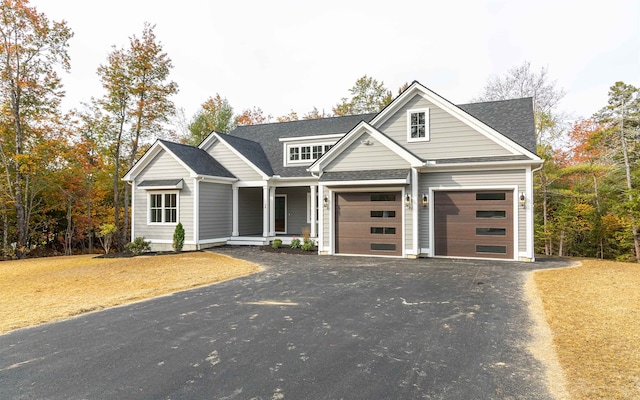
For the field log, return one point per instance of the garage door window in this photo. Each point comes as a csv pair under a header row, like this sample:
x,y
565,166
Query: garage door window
x,y
491,196
491,249
491,214
383,231
383,214
383,247
383,197
491,232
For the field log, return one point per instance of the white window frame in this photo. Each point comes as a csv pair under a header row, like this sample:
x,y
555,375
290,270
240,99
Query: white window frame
x,y
427,134
163,207
307,161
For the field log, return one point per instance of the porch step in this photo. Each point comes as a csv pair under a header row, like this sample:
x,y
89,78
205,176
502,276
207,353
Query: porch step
x,y
247,241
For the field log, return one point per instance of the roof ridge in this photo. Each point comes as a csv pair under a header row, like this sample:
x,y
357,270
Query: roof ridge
x,y
495,101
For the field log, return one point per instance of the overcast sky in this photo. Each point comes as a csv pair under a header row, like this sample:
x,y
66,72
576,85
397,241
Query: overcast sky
x,y
293,55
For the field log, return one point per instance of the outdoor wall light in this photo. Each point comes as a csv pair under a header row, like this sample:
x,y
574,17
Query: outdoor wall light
x,y
425,199
407,200
523,200
325,201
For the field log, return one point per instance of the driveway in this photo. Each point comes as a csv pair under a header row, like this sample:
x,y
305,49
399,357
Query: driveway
x,y
307,327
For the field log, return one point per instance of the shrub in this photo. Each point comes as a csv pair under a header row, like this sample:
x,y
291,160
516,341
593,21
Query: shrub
x,y
139,246
277,243
308,245
178,237
306,234
105,235
295,243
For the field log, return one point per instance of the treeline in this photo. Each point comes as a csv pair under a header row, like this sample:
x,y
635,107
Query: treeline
x,y
62,192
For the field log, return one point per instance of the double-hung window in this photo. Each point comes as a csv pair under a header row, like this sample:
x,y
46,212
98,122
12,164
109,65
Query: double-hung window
x,y
418,125
163,208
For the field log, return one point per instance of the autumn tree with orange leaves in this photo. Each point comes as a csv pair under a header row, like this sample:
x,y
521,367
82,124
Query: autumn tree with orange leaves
x,y
32,49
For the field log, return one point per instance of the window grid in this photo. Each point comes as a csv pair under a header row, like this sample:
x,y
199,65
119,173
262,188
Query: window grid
x,y
163,208
299,153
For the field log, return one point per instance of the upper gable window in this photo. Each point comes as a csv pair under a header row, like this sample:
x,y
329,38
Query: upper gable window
x,y
418,125
303,153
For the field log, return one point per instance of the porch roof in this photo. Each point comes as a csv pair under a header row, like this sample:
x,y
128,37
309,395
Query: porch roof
x,y
372,175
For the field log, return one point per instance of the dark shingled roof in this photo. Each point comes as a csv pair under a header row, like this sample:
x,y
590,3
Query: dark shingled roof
x,y
251,150
375,175
267,136
512,118
261,145
197,159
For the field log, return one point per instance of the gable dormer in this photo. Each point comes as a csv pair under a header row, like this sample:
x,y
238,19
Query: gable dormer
x,y
304,151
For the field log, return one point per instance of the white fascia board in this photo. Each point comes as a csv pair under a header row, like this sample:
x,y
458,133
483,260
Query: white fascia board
x,y
150,155
352,136
455,111
243,158
294,181
217,179
367,183
208,141
481,165
312,138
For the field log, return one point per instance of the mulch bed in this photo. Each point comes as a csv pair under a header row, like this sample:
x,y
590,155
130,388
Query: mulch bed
x,y
288,250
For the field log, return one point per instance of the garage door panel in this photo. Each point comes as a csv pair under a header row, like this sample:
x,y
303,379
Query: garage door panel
x,y
474,223
369,223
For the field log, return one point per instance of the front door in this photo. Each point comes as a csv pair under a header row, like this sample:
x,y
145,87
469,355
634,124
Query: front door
x,y
281,214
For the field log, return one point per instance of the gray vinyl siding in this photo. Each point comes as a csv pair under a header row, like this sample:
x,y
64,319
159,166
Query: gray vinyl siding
x,y
215,210
449,137
233,163
296,209
163,166
361,157
474,179
250,217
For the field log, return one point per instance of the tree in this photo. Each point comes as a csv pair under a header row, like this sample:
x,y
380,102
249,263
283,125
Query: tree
x,y
137,99
367,96
215,114
622,137
522,81
315,114
292,116
31,50
254,116
178,238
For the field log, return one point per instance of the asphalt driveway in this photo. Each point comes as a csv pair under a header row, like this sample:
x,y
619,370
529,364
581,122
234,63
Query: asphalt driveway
x,y
307,327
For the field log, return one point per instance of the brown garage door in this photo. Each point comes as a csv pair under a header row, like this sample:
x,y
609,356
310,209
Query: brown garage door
x,y
369,223
474,224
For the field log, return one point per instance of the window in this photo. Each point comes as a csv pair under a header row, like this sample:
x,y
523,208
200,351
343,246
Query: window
x,y
491,232
418,125
491,214
383,197
163,208
294,153
491,196
382,231
491,249
306,153
383,214
383,247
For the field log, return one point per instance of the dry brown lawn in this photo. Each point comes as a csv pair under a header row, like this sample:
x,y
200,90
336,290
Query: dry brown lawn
x,y
594,314
48,289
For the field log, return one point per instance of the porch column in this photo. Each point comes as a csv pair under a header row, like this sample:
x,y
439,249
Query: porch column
x,y
313,205
321,212
265,211
272,211
234,212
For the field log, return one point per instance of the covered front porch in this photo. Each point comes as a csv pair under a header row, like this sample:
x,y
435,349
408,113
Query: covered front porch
x,y
262,213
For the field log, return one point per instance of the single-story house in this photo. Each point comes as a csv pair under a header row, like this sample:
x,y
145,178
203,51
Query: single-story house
x,y
421,178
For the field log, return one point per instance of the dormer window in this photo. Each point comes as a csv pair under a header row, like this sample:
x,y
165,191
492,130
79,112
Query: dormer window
x,y
418,125
305,154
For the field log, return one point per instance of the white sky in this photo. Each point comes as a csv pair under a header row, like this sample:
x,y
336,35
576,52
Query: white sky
x,y
282,55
